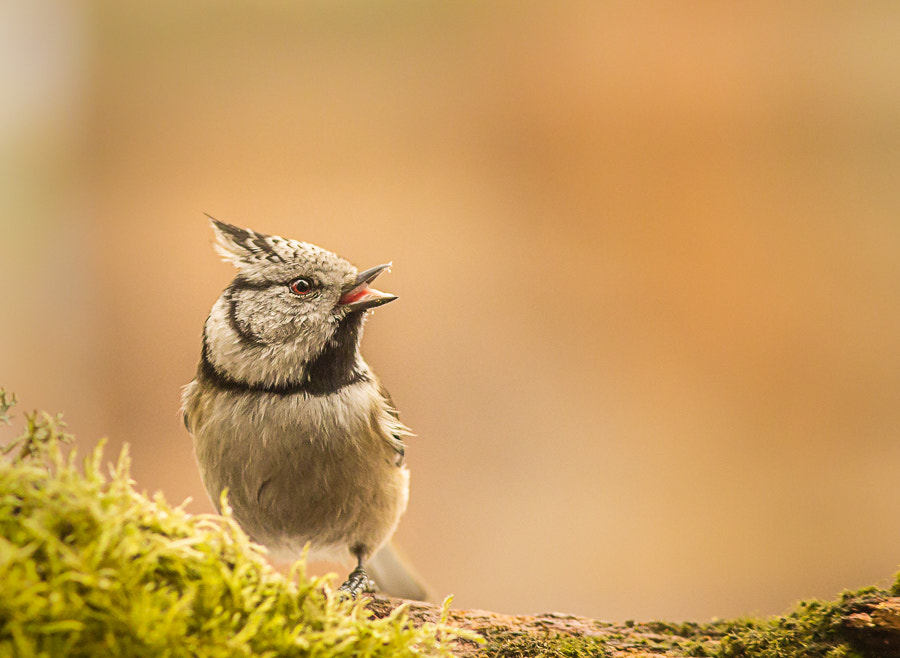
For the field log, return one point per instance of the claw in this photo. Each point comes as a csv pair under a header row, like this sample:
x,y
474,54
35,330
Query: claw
x,y
358,582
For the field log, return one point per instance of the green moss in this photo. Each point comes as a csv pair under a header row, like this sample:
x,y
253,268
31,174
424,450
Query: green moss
x,y
814,629
517,644
806,632
91,567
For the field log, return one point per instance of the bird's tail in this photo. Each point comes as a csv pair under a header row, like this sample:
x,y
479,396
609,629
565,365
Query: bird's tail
x,y
393,575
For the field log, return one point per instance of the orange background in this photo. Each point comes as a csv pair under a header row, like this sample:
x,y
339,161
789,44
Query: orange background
x,y
648,259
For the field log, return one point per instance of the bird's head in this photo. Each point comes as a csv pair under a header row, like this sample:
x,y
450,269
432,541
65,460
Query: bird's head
x,y
291,305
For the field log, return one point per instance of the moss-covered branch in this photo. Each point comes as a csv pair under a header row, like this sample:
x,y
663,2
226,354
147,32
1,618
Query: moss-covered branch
x,y
863,624
89,567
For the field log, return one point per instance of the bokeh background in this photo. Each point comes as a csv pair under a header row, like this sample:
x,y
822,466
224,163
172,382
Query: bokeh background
x,y
648,259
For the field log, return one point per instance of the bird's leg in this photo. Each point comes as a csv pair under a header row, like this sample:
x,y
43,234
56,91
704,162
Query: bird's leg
x,y
357,582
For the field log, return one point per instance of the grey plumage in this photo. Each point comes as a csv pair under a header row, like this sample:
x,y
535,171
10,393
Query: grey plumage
x,y
285,413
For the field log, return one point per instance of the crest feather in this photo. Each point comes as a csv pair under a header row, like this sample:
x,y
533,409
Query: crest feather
x,y
241,246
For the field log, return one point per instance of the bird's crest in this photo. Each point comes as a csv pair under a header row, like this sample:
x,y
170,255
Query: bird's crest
x,y
241,246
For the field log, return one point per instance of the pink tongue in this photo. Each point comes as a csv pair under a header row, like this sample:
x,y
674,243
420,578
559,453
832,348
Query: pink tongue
x,y
354,295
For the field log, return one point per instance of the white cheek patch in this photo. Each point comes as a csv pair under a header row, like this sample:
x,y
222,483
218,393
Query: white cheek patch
x,y
260,363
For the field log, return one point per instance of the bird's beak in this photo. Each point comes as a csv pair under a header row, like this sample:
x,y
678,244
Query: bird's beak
x,y
358,296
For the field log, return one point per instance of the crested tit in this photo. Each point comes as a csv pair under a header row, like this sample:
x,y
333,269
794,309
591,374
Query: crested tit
x,y
287,416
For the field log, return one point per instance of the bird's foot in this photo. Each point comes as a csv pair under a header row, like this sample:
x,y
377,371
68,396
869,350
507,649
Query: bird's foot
x,y
357,582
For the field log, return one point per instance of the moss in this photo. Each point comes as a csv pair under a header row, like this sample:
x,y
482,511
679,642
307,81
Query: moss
x,y
668,638
806,632
814,629
91,567
518,644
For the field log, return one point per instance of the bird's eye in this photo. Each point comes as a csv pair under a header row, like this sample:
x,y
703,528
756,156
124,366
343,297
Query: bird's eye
x,y
301,286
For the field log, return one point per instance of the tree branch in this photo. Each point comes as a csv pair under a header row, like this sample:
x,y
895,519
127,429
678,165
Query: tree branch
x,y
867,622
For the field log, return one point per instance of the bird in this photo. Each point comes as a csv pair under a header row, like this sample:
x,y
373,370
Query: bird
x,y
290,421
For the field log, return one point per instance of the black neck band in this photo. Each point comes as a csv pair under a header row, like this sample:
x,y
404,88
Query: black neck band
x,y
331,370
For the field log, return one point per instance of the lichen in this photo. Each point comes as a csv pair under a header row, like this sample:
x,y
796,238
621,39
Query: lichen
x,y
90,567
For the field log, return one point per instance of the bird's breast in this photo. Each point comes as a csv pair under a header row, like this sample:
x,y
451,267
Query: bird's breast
x,y
255,417
301,466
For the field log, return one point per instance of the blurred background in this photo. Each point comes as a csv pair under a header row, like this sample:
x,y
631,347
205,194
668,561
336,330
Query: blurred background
x,y
647,254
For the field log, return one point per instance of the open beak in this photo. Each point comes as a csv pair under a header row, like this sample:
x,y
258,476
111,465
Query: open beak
x,y
358,296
